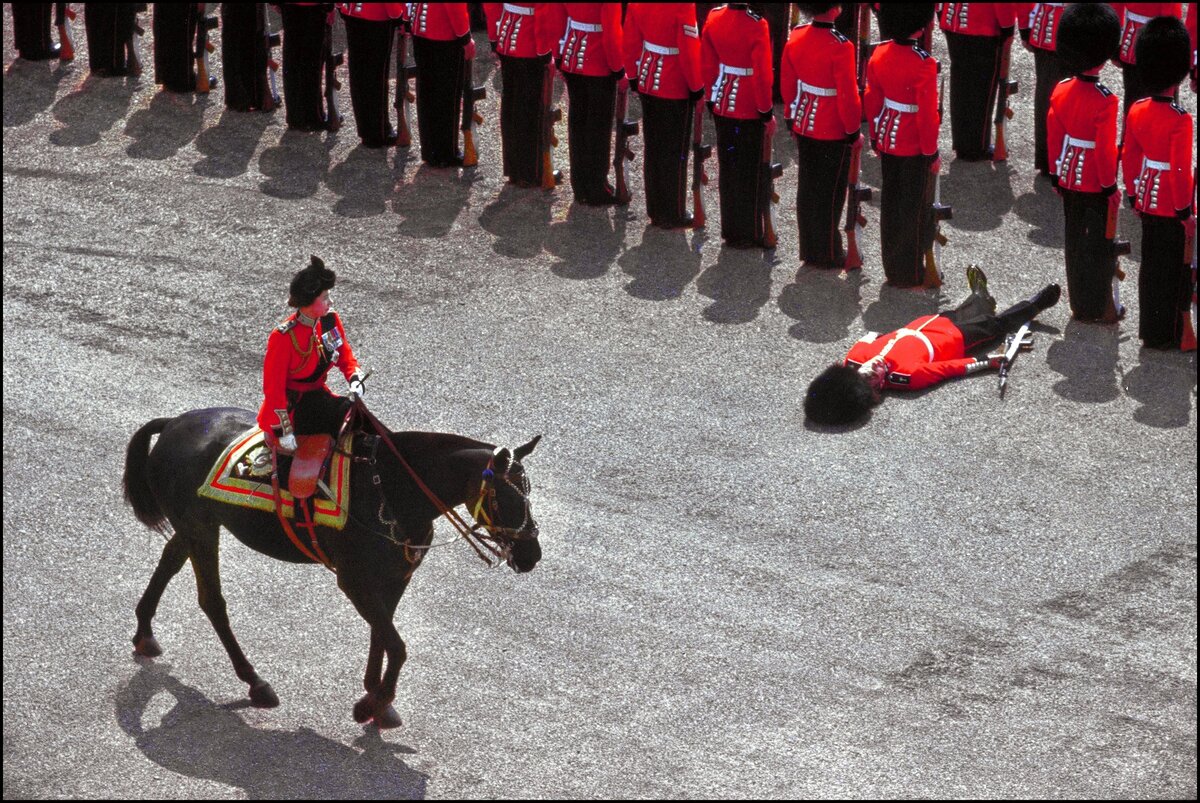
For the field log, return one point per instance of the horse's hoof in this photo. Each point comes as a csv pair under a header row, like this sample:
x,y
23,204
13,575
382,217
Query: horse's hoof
x,y
147,646
263,696
364,709
388,718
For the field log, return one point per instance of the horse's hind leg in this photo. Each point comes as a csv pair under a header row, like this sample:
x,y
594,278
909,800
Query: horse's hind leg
x,y
174,555
208,585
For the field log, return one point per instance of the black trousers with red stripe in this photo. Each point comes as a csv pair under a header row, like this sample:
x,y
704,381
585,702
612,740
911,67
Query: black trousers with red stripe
x,y
368,57
667,131
31,31
1091,260
976,318
589,132
522,119
906,224
174,29
110,28
244,56
974,70
743,186
303,65
440,76
823,173
1164,282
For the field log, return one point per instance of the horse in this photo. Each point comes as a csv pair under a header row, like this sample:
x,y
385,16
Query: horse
x,y
375,554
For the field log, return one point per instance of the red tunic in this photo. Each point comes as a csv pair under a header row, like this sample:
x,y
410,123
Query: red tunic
x,y
921,354
443,22
1157,157
1135,17
524,31
977,19
1081,134
590,38
735,53
1041,20
902,99
376,12
662,49
297,359
819,83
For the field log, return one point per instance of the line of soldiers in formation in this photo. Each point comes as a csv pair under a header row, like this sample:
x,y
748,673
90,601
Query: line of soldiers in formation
x,y
683,57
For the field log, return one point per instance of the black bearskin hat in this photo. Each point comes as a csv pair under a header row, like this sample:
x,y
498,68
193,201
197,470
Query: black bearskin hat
x,y
1088,36
840,395
899,20
1164,53
310,283
813,9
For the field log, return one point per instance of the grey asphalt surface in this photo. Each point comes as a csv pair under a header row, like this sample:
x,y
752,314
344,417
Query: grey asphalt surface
x,y
962,597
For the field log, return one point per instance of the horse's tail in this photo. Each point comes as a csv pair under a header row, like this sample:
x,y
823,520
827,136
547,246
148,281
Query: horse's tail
x,y
136,483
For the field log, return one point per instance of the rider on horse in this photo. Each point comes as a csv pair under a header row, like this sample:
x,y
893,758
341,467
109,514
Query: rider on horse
x,y
300,352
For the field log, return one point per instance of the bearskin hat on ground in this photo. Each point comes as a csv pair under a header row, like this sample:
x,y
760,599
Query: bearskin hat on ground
x,y
899,20
840,395
310,283
1088,36
1164,53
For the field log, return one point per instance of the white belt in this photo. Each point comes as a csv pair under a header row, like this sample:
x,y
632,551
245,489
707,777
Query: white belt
x,y
727,70
524,11
660,50
586,27
911,108
1138,18
802,88
1086,144
918,334
1153,165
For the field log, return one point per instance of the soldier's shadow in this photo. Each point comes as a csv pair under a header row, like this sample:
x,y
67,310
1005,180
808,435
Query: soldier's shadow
x,y
519,219
296,166
433,200
172,121
739,283
1164,384
824,304
1087,358
30,88
364,181
896,306
93,108
229,145
663,264
979,192
1042,209
199,739
587,241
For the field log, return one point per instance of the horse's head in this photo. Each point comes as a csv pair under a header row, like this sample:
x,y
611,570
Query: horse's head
x,y
508,509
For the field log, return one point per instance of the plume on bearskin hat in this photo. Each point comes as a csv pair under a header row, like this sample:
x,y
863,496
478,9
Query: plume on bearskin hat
x,y
310,283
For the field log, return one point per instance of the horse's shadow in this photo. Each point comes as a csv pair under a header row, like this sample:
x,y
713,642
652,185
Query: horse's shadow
x,y
201,739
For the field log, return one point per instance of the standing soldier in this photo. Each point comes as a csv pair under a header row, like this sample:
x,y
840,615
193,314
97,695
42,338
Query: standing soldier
x,y
901,102
778,18
523,36
1082,140
370,31
735,51
589,57
442,48
246,43
976,36
175,44
110,28
306,47
1038,25
662,60
823,111
1156,161
1136,15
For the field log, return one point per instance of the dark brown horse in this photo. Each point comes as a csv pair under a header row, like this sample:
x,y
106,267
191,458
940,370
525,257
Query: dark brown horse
x,y
374,556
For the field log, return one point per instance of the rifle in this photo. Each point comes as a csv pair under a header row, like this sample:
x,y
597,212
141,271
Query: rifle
x,y
700,153
205,83
856,194
1005,88
333,117
1021,340
66,43
933,257
405,98
470,117
771,171
624,129
1120,248
550,116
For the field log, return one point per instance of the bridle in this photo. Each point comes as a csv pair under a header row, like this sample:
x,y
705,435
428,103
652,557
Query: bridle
x,y
486,536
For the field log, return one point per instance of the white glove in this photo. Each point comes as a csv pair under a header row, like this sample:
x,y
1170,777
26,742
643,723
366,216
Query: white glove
x,y
357,388
288,443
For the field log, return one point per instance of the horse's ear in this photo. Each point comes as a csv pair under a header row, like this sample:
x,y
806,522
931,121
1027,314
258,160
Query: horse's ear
x,y
500,461
522,452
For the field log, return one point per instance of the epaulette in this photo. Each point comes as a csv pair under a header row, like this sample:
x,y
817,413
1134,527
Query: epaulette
x,y
1105,91
838,35
1178,108
920,52
753,16
286,326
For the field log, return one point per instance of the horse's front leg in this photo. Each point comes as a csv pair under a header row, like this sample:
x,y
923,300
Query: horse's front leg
x,y
372,706
378,609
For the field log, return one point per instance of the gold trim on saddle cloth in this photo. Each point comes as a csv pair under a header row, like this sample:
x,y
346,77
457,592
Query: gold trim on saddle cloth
x,y
234,479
